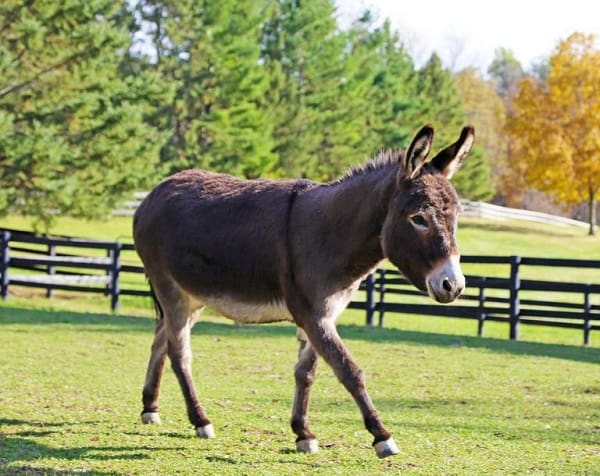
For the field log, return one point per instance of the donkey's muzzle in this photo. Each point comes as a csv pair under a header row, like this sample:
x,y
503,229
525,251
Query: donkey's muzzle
x,y
446,282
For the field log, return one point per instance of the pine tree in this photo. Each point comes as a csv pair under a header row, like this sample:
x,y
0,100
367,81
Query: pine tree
x,y
319,126
392,93
506,71
72,135
217,117
440,104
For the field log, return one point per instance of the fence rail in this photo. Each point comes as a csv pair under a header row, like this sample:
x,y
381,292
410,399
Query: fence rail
x,y
515,301
98,267
50,263
496,212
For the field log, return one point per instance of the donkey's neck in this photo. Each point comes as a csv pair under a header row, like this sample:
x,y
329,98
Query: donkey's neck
x,y
355,208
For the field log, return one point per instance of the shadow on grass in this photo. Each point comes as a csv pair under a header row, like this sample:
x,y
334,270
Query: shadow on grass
x,y
88,322
21,445
559,351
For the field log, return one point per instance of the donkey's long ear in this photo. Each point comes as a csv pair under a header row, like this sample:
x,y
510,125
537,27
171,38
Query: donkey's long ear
x,y
452,157
417,152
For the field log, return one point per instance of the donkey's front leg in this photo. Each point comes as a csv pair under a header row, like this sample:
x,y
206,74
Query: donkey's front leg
x,y
304,373
323,336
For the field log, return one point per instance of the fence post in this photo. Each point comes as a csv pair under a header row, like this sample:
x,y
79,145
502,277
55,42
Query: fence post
x,y
370,304
481,315
587,311
515,285
110,255
381,295
115,268
4,260
51,269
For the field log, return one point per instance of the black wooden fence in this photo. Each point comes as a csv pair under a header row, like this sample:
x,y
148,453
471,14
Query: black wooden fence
x,y
72,264
67,264
509,299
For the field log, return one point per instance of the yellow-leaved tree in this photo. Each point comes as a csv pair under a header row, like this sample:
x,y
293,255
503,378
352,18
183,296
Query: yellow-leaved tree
x,y
554,125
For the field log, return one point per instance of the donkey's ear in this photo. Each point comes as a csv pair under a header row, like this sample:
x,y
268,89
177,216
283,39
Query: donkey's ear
x,y
452,157
417,152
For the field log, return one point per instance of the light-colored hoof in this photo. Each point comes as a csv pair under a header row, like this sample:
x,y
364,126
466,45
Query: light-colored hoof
x,y
307,446
206,431
150,417
386,448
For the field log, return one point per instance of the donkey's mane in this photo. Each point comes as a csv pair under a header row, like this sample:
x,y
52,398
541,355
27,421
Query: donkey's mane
x,y
382,160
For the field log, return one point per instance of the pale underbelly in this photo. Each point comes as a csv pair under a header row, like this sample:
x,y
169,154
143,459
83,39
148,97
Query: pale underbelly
x,y
249,312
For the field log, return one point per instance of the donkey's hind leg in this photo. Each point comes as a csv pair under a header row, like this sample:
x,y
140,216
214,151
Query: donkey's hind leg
x,y
153,375
180,319
304,374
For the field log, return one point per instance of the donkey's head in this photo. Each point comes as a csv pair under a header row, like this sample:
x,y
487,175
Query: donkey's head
x,y
419,232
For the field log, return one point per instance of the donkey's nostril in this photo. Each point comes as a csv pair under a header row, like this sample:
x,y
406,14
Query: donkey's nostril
x,y
447,285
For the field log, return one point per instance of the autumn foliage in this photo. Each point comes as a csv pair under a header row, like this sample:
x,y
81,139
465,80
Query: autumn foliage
x,y
554,125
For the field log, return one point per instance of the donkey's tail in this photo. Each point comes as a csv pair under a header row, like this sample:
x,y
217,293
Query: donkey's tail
x,y
157,307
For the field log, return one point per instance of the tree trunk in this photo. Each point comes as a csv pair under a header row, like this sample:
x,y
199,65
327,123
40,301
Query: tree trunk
x,y
592,214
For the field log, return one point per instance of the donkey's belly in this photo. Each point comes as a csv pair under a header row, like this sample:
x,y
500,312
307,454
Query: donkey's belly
x,y
248,312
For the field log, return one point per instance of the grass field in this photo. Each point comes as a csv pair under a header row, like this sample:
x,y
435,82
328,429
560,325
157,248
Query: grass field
x,y
71,388
72,374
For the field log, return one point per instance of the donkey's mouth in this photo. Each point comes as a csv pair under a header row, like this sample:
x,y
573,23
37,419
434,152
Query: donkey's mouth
x,y
443,298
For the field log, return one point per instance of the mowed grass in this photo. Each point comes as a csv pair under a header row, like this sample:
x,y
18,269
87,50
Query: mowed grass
x,y
71,390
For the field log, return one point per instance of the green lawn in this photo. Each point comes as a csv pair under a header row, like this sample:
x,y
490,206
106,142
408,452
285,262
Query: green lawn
x,y
71,390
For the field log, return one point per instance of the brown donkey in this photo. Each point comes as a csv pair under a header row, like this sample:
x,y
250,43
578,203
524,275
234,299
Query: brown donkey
x,y
262,251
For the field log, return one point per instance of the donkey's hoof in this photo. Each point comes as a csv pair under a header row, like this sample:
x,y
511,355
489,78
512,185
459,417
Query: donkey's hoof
x,y
206,431
307,446
386,448
150,417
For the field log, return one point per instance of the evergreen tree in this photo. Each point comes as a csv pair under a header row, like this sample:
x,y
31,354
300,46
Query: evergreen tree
x,y
217,117
319,128
506,71
392,93
439,101
72,135
441,104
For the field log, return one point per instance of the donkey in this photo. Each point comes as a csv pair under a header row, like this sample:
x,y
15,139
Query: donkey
x,y
261,251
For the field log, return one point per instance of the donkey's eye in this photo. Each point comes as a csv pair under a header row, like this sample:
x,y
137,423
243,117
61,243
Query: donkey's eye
x,y
419,221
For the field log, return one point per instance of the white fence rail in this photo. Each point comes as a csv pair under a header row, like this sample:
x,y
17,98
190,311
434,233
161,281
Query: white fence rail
x,y
495,212
128,207
470,208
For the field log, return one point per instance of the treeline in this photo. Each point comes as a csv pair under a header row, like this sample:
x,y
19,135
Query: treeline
x,y
101,98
